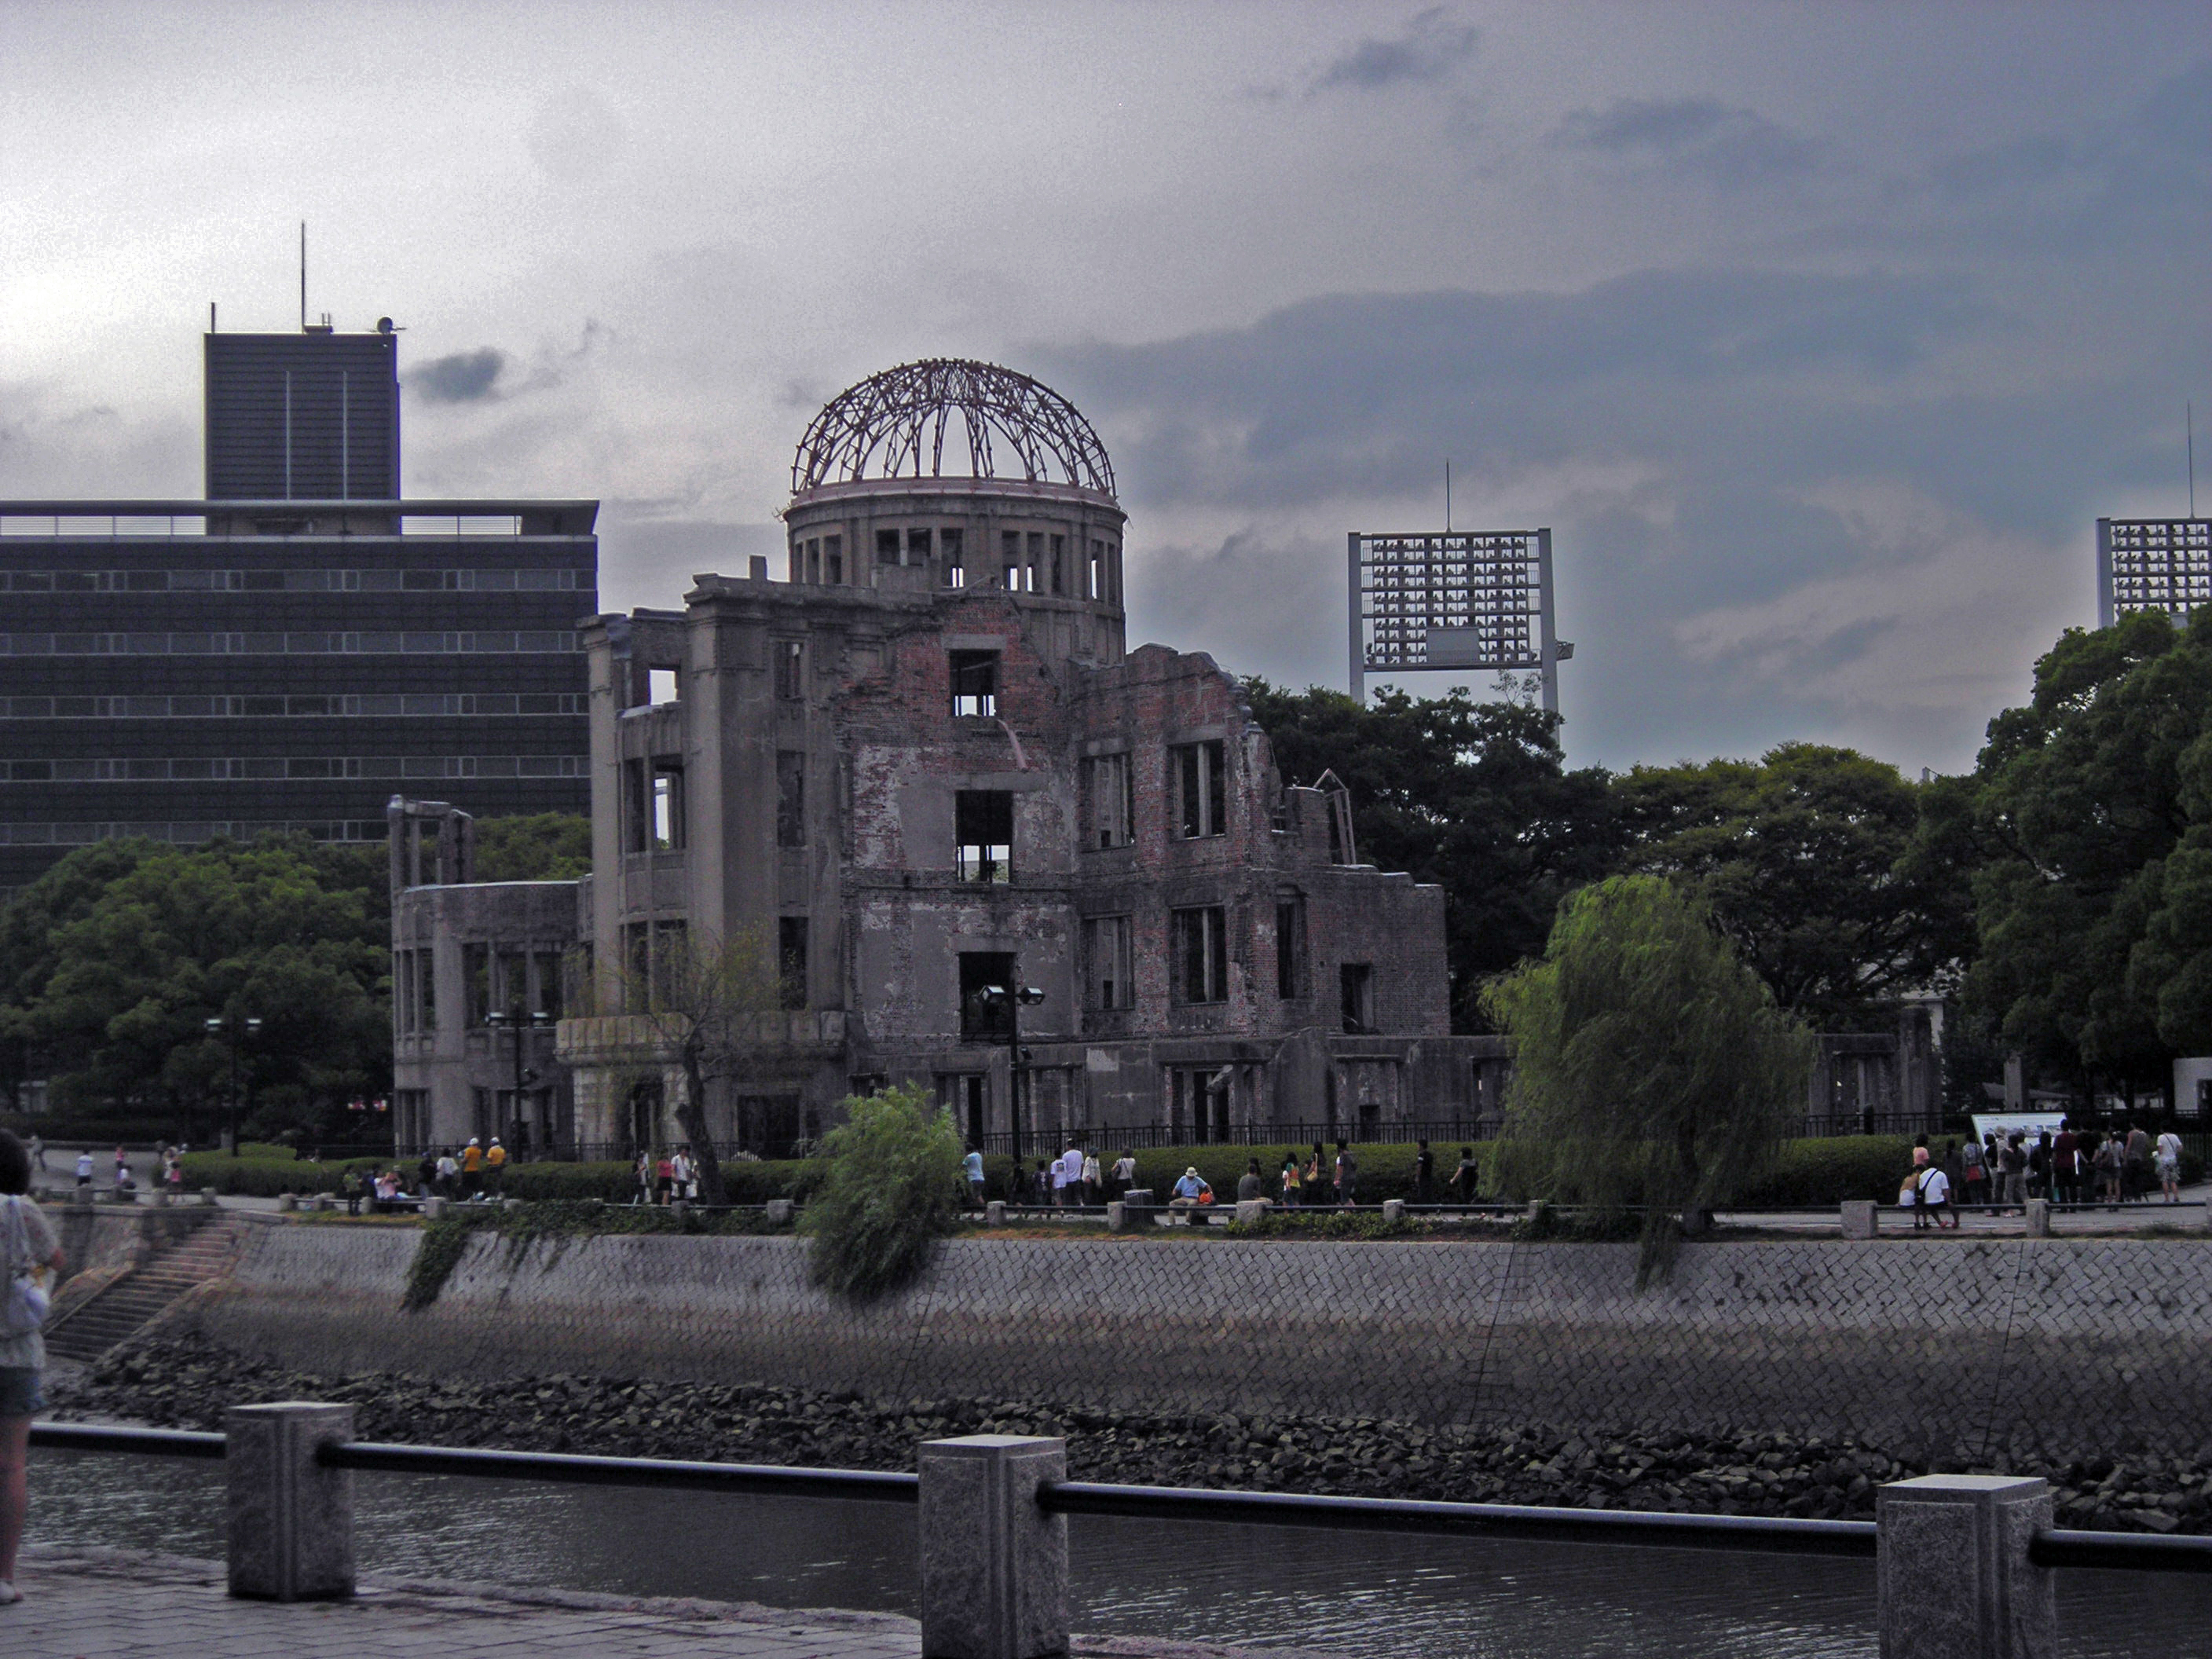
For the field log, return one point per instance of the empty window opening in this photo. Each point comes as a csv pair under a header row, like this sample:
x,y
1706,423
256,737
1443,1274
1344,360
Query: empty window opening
x,y
1010,560
476,980
983,833
1201,954
917,548
1356,982
833,560
987,981
667,803
975,682
790,798
1112,805
791,960
1290,947
660,685
1095,573
1059,562
550,997
814,560
887,547
674,983
1200,772
948,548
1031,576
1112,962
1198,1102
790,669
637,802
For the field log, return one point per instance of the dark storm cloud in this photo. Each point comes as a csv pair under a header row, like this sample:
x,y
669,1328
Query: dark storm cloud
x,y
1430,47
1737,146
465,377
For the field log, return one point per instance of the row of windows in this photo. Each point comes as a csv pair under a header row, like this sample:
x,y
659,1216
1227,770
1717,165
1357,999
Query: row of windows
x,y
218,645
1028,562
281,767
660,970
184,835
297,581
347,705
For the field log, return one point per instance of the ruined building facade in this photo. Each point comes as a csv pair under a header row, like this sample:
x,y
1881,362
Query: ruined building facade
x,y
923,786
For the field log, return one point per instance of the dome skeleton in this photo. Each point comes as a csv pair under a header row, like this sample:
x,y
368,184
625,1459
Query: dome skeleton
x,y
887,425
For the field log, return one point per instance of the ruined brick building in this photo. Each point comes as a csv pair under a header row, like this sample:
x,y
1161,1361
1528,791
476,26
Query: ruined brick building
x,y
922,779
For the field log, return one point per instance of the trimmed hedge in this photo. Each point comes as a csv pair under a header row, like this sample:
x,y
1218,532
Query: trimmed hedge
x,y
263,1175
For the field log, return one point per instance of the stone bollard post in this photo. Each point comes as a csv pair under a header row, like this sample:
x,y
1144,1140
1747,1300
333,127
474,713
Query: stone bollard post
x,y
994,1213
681,1209
291,1520
780,1212
1394,1212
1249,1210
208,1201
434,1207
287,1202
994,1563
1118,1219
1859,1221
1138,1198
1539,1212
2039,1218
83,1195
161,1199
1951,1568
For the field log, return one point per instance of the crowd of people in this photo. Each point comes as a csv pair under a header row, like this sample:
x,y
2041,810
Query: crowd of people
x,y
1319,1177
2067,1165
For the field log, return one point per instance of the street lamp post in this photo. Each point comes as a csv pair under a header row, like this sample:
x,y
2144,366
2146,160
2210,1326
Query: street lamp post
x,y
520,1025
1013,997
236,1029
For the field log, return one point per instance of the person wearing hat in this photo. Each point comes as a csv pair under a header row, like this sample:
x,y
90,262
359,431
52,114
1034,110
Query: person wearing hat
x,y
1190,1192
472,1168
494,1166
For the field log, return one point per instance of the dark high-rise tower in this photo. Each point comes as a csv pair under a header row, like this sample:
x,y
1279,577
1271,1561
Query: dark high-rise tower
x,y
308,416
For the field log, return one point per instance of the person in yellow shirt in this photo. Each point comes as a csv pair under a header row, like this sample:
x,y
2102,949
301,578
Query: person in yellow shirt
x,y
472,1162
494,1159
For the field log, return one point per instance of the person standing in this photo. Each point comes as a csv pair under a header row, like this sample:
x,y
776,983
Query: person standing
x,y
1124,1173
2016,1172
1093,1186
494,1167
1071,1175
2166,1155
1291,1179
2106,1164
1424,1174
2065,1161
84,1168
679,1173
1467,1180
1059,1181
1348,1175
1973,1174
472,1168
27,1242
445,1176
643,1171
972,1167
2137,1166
38,1153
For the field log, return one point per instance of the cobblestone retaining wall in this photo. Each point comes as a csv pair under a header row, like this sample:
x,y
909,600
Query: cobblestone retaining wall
x,y
2061,1347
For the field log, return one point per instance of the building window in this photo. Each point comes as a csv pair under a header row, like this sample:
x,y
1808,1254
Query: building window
x,y
550,1000
983,835
1201,945
1010,560
948,548
637,816
1290,946
1112,803
637,968
814,573
1059,564
887,547
790,798
1095,573
790,669
475,977
667,803
672,964
1356,989
833,560
1108,953
1201,808
425,988
917,548
791,960
987,984
975,682
1197,1103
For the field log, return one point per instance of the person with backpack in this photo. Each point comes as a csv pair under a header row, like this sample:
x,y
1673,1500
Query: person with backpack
x,y
31,1250
1974,1174
1931,1194
2166,1155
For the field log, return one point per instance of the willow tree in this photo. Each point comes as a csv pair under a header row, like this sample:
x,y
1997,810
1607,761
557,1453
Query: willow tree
x,y
1650,1065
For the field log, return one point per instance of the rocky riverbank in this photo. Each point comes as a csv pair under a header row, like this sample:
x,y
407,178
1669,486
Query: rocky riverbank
x,y
186,1384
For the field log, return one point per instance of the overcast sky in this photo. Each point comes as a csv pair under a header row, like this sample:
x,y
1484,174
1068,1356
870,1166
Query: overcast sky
x,y
1820,335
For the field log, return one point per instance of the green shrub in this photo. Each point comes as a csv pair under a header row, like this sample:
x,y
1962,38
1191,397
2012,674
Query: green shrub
x,y
1803,1174
890,1192
266,1176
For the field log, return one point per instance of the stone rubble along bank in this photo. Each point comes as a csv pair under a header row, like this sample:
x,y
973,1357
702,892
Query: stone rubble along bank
x,y
186,1383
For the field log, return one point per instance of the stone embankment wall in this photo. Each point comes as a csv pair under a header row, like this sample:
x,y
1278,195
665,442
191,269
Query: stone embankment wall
x,y
2053,1347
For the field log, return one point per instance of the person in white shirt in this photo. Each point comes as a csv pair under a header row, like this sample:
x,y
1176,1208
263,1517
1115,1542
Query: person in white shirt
x,y
1125,1174
1090,1177
1068,1177
2167,1157
1932,1191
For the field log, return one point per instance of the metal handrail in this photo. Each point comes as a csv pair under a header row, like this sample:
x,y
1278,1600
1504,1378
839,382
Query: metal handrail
x,y
2132,1552
883,1486
117,1437
1769,1533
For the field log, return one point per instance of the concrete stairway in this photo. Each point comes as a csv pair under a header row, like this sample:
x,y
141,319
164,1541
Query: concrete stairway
x,y
122,1309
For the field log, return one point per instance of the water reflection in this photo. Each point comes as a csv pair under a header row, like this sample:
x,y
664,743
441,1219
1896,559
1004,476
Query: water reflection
x,y
1375,1596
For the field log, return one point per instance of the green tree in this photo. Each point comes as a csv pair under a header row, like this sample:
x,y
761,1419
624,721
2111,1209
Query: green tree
x,y
1807,859
2090,815
540,847
1651,1064
889,1193
173,937
1473,796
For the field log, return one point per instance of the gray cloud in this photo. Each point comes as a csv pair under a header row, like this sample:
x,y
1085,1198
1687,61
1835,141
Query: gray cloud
x,y
465,377
1735,146
1429,48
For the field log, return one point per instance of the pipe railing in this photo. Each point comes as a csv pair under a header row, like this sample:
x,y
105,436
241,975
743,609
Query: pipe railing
x,y
1971,1556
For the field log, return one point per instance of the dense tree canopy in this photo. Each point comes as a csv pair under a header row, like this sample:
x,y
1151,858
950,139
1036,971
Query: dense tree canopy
x,y
115,960
1473,796
539,847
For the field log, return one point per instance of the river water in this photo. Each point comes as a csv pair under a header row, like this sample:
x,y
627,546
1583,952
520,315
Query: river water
x,y
1376,1595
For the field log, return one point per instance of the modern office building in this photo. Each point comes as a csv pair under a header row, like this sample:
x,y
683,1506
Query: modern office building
x,y
298,647
2152,564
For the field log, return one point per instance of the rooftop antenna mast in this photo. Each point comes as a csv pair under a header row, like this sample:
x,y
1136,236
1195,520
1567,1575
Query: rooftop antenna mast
x,y
2191,417
1446,497
303,276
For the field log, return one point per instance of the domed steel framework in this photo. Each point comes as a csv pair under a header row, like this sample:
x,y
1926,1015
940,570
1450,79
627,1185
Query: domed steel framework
x,y
893,425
